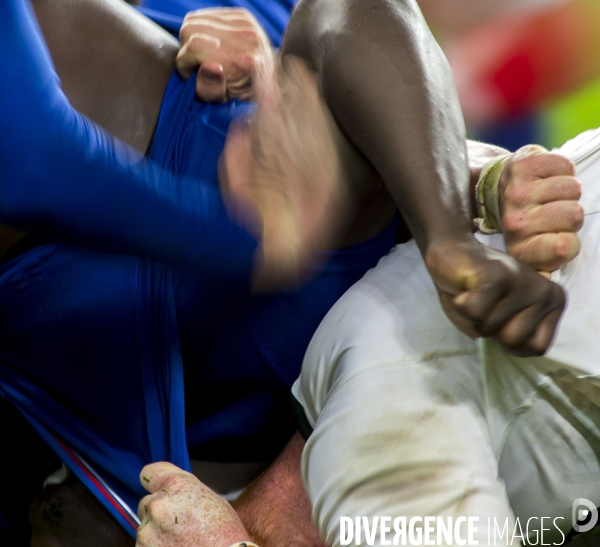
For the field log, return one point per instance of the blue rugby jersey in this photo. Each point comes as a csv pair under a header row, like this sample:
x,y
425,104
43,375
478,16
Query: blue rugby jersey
x,y
94,348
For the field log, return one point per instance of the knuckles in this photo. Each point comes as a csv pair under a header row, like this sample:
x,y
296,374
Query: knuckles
x,y
514,223
517,192
156,510
567,246
230,37
573,188
553,162
176,481
547,161
249,36
198,43
562,163
244,61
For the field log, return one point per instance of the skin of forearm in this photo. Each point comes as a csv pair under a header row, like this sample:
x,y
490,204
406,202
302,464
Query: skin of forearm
x,y
113,63
275,508
391,91
479,154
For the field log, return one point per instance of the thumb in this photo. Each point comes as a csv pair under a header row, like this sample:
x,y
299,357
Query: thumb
x,y
451,270
154,476
211,83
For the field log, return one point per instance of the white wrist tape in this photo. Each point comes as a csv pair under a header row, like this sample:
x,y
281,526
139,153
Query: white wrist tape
x,y
489,219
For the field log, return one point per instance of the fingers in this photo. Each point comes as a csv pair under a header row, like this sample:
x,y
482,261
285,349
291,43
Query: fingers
x,y
460,321
156,511
196,49
487,292
152,509
183,511
535,162
540,210
234,165
539,191
547,252
523,321
211,83
543,336
556,216
143,510
475,305
493,310
556,188
235,180
234,43
544,236
531,332
240,30
294,177
232,16
203,53
154,476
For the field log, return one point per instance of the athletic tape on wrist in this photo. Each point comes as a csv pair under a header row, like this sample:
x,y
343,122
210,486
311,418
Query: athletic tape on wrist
x,y
489,219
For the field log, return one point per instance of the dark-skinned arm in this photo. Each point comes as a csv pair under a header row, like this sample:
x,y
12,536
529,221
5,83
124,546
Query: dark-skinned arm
x,y
370,55
390,90
275,508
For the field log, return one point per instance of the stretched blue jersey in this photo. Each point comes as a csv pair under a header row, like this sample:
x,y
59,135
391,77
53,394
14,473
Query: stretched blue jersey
x,y
118,361
242,358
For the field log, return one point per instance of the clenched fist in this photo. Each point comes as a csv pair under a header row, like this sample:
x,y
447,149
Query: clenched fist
x,y
181,511
230,51
485,292
540,210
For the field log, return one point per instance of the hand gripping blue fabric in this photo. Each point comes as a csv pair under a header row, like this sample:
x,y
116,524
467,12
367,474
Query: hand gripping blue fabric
x,y
273,15
61,173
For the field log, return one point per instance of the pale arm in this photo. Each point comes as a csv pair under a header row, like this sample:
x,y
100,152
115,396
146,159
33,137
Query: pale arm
x,y
275,508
